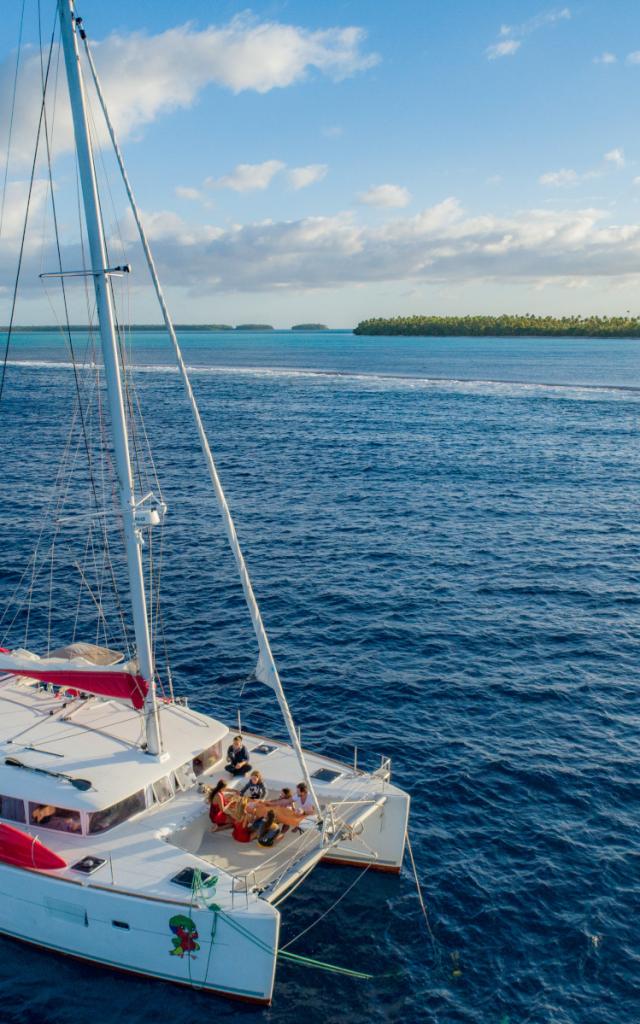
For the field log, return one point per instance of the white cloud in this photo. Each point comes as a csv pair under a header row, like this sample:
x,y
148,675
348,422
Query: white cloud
x,y
636,181
546,18
333,131
302,177
633,58
144,76
15,208
385,195
615,156
441,244
605,58
185,192
565,176
494,179
248,177
504,49
511,34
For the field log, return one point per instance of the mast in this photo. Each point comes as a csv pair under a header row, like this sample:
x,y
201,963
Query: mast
x,y
113,378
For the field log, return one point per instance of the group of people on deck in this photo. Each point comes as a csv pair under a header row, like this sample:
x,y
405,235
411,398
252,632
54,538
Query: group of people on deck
x,y
247,811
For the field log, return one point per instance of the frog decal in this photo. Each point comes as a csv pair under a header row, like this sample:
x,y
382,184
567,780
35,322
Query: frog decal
x,y
185,935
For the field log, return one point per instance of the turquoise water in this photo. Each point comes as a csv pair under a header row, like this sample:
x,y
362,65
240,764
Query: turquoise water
x,y
449,570
541,360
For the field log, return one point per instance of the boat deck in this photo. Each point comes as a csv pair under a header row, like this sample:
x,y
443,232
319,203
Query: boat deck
x,y
253,865
58,742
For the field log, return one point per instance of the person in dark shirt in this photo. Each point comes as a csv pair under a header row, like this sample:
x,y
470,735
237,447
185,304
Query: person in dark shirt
x,y
255,788
270,831
237,758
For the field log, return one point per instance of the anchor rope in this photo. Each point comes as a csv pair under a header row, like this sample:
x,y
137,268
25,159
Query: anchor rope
x,y
423,905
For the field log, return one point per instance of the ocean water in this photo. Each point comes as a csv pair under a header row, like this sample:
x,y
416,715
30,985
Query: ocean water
x,y
444,538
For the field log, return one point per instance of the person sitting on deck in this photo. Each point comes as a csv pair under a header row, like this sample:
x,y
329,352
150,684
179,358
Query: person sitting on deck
x,y
237,758
255,788
219,806
302,804
284,800
270,831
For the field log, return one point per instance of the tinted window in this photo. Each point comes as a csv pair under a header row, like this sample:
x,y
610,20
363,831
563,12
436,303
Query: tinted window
x,y
184,776
60,818
100,821
12,808
206,759
162,790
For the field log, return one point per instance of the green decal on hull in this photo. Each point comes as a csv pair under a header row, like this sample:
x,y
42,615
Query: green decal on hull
x,y
185,935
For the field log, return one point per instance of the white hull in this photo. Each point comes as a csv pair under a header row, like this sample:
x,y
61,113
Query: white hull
x,y
84,922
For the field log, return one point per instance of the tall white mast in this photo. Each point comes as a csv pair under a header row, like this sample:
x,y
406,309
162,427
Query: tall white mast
x,y
97,249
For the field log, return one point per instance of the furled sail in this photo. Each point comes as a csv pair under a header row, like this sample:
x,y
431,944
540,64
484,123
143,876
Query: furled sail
x,y
80,673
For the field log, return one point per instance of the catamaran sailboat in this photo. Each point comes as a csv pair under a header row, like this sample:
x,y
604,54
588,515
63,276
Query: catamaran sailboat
x,y
106,850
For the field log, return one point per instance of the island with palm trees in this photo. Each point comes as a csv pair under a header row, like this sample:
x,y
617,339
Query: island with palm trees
x,y
505,325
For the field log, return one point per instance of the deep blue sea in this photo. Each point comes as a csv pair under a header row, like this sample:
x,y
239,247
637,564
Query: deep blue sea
x,y
444,538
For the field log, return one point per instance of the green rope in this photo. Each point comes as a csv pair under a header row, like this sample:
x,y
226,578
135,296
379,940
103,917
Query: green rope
x,y
206,889
307,961
304,961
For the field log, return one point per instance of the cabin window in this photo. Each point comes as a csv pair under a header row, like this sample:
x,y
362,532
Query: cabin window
x,y
60,818
162,790
207,759
11,808
184,776
100,821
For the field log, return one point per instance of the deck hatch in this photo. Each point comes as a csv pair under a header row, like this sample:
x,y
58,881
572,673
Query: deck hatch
x,y
88,865
326,775
185,877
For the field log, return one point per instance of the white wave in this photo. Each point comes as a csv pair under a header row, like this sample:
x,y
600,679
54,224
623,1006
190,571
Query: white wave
x,y
386,381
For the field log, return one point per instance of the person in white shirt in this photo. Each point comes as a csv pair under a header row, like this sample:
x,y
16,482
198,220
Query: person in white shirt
x,y
302,802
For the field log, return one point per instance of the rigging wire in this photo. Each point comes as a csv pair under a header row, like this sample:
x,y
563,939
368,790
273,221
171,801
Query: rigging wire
x,y
328,911
136,423
67,327
11,117
26,216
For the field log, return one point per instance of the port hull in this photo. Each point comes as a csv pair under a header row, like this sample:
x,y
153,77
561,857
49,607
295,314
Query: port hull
x,y
231,954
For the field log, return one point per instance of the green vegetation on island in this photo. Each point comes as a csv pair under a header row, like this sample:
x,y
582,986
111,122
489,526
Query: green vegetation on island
x,y
309,327
254,327
504,326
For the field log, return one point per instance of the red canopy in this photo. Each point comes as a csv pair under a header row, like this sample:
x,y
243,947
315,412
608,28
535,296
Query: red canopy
x,y
105,684
79,674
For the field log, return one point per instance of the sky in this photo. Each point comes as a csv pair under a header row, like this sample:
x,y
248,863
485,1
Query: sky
x,y
331,162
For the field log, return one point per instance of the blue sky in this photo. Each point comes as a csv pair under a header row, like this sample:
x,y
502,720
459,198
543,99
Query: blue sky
x,y
345,159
